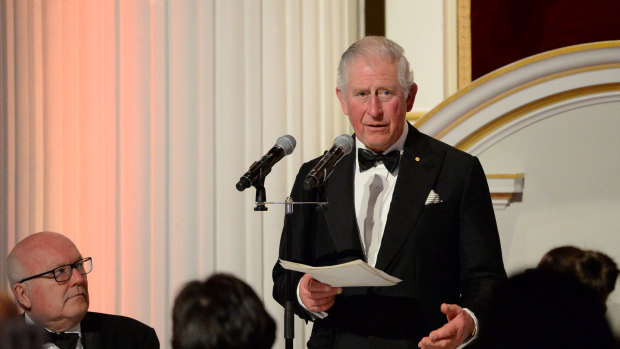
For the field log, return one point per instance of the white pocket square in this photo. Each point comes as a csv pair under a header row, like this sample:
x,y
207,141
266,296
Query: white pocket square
x,y
433,198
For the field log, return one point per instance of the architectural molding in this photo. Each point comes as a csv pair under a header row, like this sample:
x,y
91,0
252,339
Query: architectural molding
x,y
522,93
505,189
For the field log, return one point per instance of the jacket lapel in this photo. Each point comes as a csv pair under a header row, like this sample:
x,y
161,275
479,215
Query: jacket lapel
x,y
340,209
91,337
417,173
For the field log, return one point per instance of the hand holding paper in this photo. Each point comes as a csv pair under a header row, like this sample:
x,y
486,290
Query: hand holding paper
x,y
355,273
316,296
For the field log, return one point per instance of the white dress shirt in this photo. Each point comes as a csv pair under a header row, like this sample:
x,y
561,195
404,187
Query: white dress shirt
x,y
361,184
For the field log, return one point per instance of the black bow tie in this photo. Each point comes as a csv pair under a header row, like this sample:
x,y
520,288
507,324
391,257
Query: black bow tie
x,y
367,159
64,340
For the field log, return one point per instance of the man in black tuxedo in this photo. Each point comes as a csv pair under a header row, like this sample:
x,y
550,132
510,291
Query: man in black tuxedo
x,y
47,274
421,212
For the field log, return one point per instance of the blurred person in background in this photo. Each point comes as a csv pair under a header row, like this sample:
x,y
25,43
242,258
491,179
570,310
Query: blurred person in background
x,y
592,268
545,309
14,332
222,312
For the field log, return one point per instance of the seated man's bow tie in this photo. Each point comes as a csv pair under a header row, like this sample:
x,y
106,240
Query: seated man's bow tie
x,y
64,340
367,159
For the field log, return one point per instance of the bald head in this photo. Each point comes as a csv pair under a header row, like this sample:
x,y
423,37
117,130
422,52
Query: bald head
x,y
33,248
55,305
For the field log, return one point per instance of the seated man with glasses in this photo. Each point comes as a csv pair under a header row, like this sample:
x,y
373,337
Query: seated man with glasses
x,y
47,274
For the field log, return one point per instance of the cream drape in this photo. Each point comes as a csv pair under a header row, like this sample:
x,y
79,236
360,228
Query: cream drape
x,y
126,124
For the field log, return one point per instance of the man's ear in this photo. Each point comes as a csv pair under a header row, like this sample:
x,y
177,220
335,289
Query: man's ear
x,y
343,103
22,296
411,96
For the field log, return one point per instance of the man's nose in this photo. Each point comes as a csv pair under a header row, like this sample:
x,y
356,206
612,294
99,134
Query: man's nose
x,y
374,106
77,277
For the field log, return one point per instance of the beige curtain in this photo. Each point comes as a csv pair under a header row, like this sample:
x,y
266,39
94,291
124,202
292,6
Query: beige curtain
x,y
126,124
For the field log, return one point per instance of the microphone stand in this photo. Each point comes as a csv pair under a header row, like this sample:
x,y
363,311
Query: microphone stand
x,y
259,205
289,324
261,196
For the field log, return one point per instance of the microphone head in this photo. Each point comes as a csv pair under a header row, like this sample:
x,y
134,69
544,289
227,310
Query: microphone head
x,y
287,143
243,184
344,142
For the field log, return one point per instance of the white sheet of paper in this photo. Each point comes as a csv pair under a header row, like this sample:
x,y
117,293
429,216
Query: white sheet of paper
x,y
355,273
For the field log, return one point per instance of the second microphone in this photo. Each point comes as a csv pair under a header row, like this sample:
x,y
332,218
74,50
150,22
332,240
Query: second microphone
x,y
343,145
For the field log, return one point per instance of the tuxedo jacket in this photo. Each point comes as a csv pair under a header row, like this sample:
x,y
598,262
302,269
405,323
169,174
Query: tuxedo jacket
x,y
103,331
446,252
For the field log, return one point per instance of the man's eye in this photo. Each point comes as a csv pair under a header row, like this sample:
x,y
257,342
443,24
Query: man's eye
x,y
385,93
62,270
362,94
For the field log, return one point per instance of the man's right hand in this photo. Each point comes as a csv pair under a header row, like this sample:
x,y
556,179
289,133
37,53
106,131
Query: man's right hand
x,y
317,296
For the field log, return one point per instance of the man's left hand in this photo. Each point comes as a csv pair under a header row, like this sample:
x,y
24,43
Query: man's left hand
x,y
459,327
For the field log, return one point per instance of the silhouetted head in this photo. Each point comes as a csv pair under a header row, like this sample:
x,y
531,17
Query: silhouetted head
x,y
223,312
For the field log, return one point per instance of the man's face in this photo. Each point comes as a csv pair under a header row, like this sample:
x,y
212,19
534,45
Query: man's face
x,y
57,306
375,102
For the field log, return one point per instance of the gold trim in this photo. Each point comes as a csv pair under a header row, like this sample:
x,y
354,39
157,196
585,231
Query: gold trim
x,y
504,196
463,24
517,65
510,197
414,116
506,175
503,95
488,128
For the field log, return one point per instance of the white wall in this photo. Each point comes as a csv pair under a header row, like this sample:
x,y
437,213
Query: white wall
x,y
418,26
572,191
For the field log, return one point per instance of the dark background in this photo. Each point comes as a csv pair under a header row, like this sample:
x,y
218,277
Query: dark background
x,y
505,31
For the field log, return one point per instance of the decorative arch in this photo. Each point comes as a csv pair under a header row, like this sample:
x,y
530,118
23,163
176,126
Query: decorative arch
x,y
520,94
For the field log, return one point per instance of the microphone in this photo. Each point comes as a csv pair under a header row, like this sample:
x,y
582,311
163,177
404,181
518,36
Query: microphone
x,y
261,168
321,171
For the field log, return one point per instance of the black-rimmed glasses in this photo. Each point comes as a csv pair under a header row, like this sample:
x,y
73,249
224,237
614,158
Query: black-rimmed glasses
x,y
64,272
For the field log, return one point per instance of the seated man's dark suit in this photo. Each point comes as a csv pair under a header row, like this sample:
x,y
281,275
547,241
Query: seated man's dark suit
x,y
446,252
102,331
113,331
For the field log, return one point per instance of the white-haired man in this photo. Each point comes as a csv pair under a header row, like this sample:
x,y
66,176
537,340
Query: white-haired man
x,y
406,203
